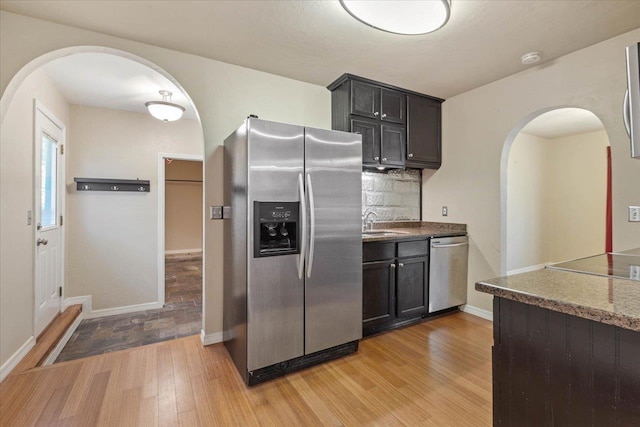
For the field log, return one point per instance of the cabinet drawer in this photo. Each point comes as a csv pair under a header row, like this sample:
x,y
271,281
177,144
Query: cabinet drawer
x,y
378,251
411,249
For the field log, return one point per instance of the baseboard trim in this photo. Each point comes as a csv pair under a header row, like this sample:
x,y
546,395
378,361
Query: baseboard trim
x,y
85,300
209,339
527,269
16,357
53,355
122,310
478,312
197,251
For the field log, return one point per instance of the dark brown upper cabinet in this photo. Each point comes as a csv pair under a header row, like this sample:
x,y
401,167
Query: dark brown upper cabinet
x,y
399,128
424,147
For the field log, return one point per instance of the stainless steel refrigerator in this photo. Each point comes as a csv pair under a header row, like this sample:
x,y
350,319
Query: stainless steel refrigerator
x,y
292,247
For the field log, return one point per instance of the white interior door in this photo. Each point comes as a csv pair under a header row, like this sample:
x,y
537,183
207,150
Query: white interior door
x,y
49,188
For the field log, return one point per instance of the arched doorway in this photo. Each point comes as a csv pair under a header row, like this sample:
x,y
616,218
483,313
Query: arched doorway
x,y
554,189
126,224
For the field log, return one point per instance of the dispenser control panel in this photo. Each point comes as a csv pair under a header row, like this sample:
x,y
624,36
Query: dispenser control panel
x,y
276,228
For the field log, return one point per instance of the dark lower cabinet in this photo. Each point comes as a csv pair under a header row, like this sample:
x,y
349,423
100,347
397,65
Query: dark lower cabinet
x,y
555,369
378,294
412,292
395,291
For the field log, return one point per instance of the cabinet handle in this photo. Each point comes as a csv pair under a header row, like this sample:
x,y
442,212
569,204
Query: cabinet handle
x,y
401,265
392,266
376,114
410,154
384,159
384,115
376,158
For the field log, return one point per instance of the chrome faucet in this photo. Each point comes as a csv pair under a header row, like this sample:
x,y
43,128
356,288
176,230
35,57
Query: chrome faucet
x,y
367,224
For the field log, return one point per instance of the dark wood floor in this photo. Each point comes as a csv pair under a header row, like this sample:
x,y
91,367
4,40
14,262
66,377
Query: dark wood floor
x,y
437,373
180,317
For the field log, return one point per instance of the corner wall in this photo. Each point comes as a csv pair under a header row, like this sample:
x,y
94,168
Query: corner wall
x,y
17,189
476,125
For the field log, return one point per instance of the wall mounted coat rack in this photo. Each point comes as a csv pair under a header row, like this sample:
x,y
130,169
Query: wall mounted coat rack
x,y
102,184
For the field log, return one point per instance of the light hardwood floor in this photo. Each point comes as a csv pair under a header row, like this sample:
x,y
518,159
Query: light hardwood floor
x,y
437,373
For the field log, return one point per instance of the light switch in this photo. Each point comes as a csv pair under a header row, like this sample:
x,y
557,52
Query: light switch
x,y
634,213
445,211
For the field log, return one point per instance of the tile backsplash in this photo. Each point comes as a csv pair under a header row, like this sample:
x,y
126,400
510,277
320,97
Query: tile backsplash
x,y
393,196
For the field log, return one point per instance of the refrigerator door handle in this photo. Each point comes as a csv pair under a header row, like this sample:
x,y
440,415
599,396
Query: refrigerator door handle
x,y
303,228
626,113
312,225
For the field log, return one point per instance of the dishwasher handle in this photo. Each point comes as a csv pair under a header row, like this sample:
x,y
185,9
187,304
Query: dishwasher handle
x,y
452,245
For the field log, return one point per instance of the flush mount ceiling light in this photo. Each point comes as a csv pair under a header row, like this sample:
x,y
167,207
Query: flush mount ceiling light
x,y
165,110
400,16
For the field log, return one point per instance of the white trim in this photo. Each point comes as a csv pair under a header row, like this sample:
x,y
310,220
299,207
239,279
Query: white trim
x,y
123,310
85,300
184,251
209,339
161,218
478,312
16,357
53,355
527,269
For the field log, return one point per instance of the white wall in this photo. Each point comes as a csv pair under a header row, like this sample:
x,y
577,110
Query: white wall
x,y
527,209
16,189
112,238
578,196
556,201
224,95
477,123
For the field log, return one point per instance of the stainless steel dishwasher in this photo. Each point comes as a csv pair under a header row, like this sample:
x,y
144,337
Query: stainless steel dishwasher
x,y
448,272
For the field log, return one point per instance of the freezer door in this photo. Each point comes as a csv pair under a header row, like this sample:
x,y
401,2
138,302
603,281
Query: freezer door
x,y
333,285
275,301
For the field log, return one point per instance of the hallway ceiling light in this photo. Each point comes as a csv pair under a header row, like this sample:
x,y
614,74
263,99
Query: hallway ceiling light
x,y
165,110
401,17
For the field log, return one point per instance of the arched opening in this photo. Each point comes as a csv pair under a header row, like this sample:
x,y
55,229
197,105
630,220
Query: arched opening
x,y
111,257
554,189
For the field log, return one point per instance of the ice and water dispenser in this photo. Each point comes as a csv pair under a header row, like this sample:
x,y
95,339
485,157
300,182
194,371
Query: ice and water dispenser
x,y
276,228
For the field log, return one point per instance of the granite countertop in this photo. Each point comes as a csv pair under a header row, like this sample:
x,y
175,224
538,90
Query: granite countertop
x,y
410,230
602,299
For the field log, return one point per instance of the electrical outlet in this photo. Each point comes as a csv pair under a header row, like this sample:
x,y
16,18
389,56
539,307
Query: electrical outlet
x,y
634,272
634,213
29,218
445,211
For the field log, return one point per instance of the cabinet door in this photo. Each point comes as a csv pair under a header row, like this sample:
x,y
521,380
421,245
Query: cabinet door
x,y
412,287
392,106
370,132
423,132
392,145
365,99
378,294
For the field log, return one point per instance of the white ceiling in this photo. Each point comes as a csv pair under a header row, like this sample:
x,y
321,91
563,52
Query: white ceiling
x,y
563,122
316,41
109,81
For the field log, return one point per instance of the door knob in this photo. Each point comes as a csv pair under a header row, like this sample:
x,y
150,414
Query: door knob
x,y
410,154
384,159
401,265
384,115
392,266
41,241
376,158
376,114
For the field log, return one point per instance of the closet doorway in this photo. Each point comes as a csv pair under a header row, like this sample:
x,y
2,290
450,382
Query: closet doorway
x,y
181,239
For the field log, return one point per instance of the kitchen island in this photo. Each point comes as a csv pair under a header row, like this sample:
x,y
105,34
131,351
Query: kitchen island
x,y
566,349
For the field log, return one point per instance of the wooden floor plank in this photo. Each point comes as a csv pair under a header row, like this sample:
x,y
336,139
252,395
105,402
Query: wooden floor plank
x,y
432,374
